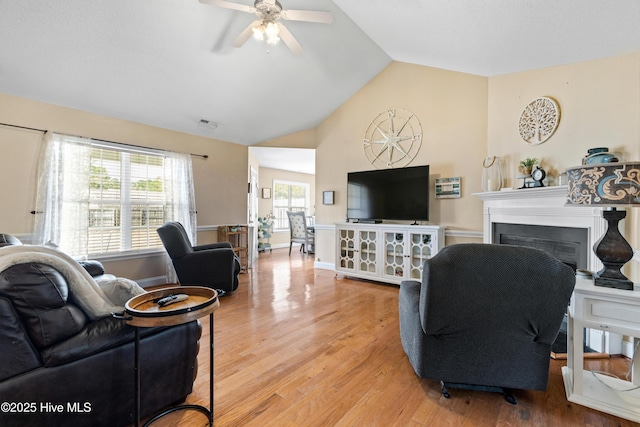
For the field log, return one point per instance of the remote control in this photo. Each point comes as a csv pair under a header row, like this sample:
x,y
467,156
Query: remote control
x,y
170,299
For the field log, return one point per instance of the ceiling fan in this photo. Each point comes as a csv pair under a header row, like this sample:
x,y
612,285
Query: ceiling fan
x,y
269,12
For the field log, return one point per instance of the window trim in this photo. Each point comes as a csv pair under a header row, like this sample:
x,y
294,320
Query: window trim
x,y
307,201
124,201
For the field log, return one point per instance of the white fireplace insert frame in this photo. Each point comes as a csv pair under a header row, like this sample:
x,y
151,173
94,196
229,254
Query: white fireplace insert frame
x,y
542,206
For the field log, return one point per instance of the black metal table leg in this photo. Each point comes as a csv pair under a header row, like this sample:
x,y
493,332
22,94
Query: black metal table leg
x,y
211,370
136,369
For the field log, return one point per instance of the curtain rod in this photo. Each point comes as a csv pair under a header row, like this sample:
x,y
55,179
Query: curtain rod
x,y
204,156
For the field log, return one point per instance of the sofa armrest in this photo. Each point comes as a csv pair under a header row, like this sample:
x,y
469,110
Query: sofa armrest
x,y
18,354
214,268
219,245
95,268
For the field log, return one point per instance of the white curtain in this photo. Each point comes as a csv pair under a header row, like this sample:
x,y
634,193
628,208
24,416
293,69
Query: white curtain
x,y
179,193
62,198
180,197
62,205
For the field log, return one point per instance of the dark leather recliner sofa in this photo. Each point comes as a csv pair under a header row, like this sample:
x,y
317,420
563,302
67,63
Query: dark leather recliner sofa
x,y
59,368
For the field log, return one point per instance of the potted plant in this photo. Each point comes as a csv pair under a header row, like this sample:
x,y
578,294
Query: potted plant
x,y
526,165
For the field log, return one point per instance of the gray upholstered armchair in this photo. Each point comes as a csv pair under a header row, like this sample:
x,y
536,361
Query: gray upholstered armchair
x,y
214,265
485,316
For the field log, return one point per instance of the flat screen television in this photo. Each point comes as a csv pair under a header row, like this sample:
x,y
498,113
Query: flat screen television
x,y
388,194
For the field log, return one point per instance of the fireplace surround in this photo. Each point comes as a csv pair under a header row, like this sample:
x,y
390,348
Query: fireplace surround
x,y
545,207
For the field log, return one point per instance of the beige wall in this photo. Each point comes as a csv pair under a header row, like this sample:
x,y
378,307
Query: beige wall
x,y
220,180
265,206
599,103
600,107
452,108
302,139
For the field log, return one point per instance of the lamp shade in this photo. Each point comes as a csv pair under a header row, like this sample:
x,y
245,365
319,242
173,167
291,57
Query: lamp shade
x,y
605,184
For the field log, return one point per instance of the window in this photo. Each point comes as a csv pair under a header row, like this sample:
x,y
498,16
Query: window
x,y
289,196
100,198
126,201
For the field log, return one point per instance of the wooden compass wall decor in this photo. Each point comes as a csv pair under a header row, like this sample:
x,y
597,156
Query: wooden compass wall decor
x,y
393,138
539,120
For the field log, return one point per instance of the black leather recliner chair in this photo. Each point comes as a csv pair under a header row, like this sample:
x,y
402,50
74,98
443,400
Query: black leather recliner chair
x,y
52,354
214,265
485,317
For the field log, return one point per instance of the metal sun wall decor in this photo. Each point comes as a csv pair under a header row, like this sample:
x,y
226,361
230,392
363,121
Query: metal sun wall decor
x,y
393,138
539,120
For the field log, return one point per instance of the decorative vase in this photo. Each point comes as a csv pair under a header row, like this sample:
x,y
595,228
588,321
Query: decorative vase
x,y
492,177
599,155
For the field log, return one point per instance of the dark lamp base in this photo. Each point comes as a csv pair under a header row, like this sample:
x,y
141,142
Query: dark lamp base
x,y
614,252
606,282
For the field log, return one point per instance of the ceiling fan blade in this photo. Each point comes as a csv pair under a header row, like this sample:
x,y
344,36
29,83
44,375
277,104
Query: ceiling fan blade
x,y
289,40
245,35
308,16
229,5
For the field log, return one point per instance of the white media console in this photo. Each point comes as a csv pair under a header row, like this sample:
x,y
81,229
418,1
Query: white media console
x,y
387,253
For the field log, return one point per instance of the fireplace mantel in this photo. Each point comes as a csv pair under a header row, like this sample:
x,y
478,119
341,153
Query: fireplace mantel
x,y
541,206
557,192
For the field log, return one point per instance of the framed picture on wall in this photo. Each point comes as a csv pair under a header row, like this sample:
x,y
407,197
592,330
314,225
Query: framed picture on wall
x,y
266,193
327,197
448,188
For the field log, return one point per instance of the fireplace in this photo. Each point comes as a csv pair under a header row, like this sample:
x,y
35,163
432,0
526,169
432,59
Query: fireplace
x,y
568,244
538,217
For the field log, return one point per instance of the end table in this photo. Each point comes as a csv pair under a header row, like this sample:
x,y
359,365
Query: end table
x,y
610,310
142,311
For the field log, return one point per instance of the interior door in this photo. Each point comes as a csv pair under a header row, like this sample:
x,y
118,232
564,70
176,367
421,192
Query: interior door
x,y
252,215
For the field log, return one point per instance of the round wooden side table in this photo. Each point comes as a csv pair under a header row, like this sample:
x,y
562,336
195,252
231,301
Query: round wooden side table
x,y
142,311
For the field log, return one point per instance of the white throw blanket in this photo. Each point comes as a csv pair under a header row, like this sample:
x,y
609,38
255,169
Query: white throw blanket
x,y
96,299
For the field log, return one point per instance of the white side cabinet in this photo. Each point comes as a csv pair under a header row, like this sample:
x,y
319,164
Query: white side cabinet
x,y
610,310
386,252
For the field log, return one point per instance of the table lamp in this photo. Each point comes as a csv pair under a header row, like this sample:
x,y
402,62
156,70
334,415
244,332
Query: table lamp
x,y
608,185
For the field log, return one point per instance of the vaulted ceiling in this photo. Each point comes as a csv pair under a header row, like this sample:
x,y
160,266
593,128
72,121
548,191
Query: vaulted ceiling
x,y
170,63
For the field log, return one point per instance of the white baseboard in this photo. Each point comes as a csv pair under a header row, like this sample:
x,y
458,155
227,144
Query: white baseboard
x,y
324,265
151,281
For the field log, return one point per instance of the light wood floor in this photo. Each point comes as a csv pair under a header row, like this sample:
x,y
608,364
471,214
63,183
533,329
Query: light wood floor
x,y
296,346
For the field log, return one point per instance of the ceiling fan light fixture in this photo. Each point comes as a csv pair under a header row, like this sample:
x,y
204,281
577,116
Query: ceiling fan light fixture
x,y
272,31
258,33
269,12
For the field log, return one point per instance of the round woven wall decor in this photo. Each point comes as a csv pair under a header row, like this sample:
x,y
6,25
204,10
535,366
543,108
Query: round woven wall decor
x,y
539,120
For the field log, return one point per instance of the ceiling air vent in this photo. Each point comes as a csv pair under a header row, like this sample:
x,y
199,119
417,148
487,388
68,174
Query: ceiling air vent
x,y
207,123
